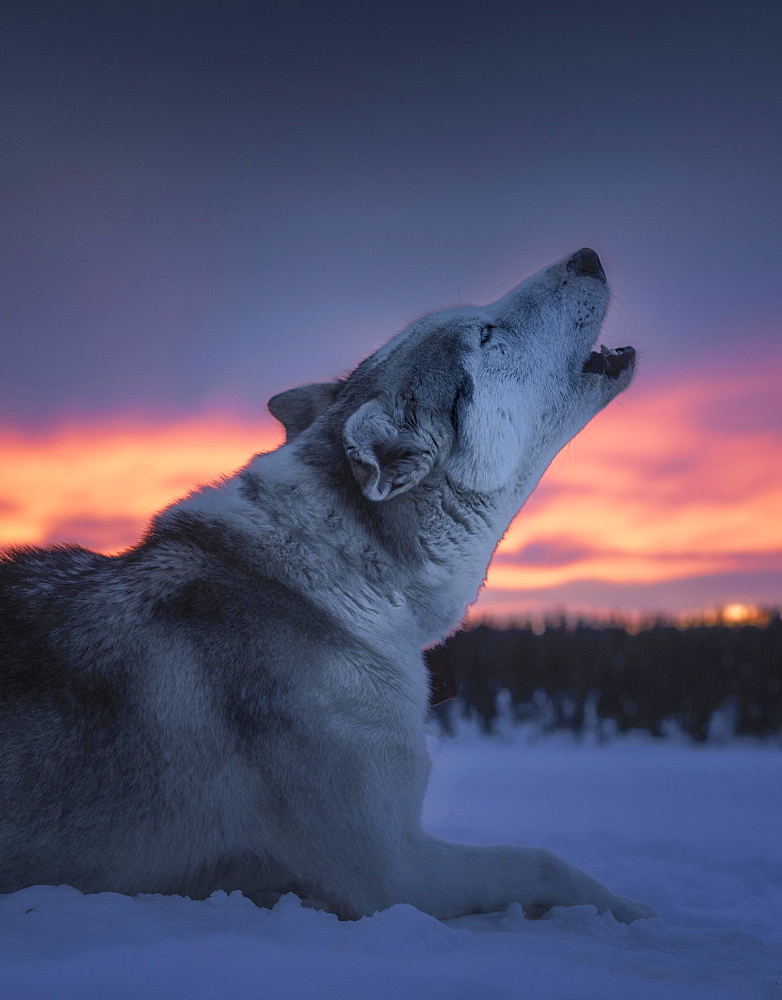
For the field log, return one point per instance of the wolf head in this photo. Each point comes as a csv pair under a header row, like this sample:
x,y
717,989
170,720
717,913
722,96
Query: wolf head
x,y
484,395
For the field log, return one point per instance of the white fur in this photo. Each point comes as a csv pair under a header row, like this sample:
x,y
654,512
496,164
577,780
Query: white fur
x,y
529,398
276,750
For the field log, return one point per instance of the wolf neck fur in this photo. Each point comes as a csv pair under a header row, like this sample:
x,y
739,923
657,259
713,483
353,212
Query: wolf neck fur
x,y
420,557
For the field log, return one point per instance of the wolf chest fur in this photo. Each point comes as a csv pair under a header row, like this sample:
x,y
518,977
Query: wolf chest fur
x,y
238,701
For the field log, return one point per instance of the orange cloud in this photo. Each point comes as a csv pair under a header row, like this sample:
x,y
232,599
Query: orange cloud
x,y
684,481
99,483
677,482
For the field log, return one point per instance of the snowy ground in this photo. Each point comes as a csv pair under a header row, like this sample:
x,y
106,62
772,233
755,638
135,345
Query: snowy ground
x,y
694,832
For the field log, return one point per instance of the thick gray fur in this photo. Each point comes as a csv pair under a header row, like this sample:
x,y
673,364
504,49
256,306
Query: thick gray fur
x,y
238,702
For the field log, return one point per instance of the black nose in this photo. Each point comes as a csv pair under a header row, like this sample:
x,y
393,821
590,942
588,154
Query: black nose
x,y
586,261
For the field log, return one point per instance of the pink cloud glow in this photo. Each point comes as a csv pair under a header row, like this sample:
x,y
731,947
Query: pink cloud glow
x,y
680,482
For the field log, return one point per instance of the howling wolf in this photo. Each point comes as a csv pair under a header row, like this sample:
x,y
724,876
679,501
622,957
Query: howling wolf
x,y
238,702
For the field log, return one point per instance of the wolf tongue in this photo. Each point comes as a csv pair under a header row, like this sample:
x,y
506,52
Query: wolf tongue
x,y
609,362
597,363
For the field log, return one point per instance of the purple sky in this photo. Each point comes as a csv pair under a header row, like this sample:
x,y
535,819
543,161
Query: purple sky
x,y
204,203
207,202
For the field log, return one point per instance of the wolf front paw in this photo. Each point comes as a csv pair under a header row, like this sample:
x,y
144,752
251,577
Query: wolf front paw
x,y
627,910
562,884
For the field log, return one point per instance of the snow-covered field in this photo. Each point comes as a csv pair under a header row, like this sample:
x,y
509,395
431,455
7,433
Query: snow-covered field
x,y
694,832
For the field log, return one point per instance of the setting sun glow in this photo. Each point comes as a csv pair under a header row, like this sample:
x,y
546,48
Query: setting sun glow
x,y
644,495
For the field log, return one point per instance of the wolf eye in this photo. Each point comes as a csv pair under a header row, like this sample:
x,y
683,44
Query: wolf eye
x,y
486,332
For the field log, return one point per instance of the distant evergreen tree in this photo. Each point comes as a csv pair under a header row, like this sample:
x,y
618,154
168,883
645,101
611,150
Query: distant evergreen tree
x,y
639,680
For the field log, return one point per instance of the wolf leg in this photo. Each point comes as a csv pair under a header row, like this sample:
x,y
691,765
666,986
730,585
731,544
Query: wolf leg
x,y
450,880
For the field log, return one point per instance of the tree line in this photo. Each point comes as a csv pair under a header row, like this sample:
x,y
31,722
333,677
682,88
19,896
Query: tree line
x,y
607,677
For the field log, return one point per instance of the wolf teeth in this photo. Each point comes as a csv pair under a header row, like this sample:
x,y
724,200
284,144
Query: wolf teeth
x,y
607,350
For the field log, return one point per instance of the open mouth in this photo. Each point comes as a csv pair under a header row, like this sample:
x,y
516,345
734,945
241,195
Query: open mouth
x,y
608,361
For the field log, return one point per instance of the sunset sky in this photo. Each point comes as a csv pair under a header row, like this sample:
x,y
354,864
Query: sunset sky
x,y
205,203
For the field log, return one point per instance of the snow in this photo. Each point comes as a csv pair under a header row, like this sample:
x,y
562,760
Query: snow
x,y
692,831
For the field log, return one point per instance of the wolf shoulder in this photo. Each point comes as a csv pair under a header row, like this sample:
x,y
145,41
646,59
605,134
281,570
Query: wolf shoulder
x,y
176,620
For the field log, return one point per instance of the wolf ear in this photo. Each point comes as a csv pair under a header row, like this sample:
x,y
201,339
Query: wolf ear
x,y
297,408
387,453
